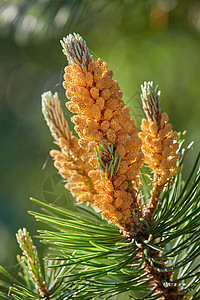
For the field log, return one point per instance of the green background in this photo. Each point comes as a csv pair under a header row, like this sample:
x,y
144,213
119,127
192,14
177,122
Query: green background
x,y
140,40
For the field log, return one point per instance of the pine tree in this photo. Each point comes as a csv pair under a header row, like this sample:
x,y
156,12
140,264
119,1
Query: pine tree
x,y
134,231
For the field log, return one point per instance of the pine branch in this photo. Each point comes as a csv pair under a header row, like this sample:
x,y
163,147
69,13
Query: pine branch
x,y
99,136
155,253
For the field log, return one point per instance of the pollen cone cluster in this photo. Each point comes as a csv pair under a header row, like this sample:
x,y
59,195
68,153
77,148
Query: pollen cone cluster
x,y
159,141
101,117
68,160
102,165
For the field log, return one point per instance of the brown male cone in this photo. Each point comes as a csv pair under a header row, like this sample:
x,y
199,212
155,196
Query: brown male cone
x,y
159,141
68,159
96,99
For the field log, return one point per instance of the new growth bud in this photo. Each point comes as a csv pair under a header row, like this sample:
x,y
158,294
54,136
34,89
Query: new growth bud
x,y
31,260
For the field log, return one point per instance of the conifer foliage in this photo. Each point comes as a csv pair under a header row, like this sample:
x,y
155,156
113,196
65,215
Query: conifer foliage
x,y
134,228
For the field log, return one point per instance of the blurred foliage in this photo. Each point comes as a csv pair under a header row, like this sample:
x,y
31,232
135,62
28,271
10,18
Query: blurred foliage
x,y
155,40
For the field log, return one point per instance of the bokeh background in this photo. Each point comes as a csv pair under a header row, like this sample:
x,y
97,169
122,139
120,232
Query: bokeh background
x,y
140,40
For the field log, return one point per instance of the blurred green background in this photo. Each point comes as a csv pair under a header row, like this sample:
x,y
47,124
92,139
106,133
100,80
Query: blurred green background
x,y
140,40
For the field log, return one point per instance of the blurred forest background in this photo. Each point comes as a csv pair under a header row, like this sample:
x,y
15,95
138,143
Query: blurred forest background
x,y
140,40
